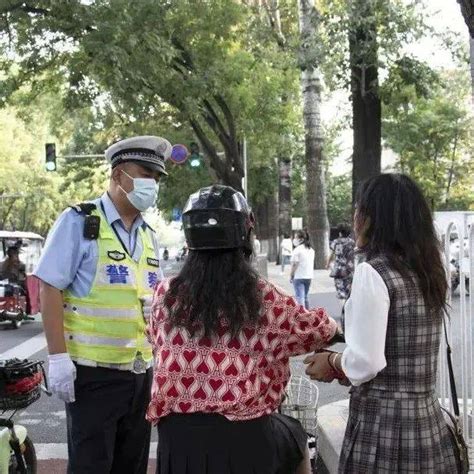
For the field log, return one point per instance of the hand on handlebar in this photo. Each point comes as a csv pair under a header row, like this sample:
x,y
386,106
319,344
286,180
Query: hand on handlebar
x,y
61,375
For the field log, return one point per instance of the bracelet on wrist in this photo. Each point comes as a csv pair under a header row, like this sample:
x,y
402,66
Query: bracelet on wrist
x,y
333,364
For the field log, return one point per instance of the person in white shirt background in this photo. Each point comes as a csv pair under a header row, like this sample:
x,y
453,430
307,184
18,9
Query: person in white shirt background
x,y
257,246
302,268
286,249
393,328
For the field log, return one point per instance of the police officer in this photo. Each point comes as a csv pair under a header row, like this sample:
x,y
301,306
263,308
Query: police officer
x,y
97,271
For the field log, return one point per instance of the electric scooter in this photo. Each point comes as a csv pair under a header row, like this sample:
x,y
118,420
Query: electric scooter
x,y
21,383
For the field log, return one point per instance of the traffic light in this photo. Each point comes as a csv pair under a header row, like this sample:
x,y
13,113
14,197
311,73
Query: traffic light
x,y
195,157
50,149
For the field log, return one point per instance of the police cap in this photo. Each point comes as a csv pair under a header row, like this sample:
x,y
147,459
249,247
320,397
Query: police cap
x,y
148,151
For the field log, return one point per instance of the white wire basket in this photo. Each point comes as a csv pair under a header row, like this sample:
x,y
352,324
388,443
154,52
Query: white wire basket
x,y
301,402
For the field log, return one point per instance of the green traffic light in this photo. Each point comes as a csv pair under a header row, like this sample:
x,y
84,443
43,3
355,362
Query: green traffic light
x,y
195,160
50,152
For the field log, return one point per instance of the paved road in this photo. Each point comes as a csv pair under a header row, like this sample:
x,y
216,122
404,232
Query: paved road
x,y
45,420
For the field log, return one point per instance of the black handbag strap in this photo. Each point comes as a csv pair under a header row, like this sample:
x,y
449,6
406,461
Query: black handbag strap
x,y
452,382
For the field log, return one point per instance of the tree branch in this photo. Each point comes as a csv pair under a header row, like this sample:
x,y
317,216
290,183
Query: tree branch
x,y
215,123
26,8
186,59
451,169
234,143
214,159
273,13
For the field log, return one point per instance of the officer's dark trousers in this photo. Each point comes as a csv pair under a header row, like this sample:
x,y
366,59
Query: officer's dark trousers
x,y
107,430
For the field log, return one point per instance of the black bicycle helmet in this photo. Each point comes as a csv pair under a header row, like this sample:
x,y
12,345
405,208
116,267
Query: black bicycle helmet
x,y
217,217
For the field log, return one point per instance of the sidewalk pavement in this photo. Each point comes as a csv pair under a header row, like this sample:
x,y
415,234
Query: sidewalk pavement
x,y
332,416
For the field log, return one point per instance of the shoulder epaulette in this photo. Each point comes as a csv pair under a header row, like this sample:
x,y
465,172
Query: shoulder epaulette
x,y
149,227
84,208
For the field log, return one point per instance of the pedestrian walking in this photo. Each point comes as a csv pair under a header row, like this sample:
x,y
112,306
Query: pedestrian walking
x,y
393,329
286,249
98,271
223,337
342,262
302,268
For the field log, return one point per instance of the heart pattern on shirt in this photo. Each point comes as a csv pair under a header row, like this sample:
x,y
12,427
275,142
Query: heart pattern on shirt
x,y
187,381
200,394
241,376
203,368
218,357
216,384
189,355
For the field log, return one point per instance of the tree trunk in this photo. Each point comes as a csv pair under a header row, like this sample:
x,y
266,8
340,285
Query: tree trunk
x,y
284,197
272,211
266,229
272,8
318,225
472,70
366,105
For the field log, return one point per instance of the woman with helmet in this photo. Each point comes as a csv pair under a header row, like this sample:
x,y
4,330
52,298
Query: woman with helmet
x,y
222,338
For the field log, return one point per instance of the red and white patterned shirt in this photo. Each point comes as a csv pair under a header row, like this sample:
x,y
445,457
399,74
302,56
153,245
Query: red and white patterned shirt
x,y
241,377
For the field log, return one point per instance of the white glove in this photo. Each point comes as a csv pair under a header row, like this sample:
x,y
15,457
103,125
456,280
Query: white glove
x,y
147,302
61,375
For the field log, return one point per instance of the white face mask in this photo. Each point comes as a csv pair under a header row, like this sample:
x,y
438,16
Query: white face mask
x,y
297,242
144,192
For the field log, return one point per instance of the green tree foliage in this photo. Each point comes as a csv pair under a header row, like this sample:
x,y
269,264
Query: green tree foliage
x,y
198,62
428,124
339,200
29,196
395,24
173,194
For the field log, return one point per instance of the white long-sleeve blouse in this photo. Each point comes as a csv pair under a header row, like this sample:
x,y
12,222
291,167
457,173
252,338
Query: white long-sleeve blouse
x,y
366,316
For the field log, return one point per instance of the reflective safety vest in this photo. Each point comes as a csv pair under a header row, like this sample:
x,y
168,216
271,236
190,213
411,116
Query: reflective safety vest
x,y
107,326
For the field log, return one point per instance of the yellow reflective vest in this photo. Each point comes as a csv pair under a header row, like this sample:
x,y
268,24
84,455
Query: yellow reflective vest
x,y
107,326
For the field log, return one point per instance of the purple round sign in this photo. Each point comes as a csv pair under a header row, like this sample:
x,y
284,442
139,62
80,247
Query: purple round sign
x,y
179,154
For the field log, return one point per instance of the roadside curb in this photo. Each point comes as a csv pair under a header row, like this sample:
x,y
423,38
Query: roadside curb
x,y
332,421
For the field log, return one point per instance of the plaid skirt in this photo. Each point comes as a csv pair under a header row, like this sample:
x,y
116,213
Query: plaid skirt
x,y
396,433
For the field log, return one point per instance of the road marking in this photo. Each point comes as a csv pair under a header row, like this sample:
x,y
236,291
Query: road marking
x,y
26,349
46,451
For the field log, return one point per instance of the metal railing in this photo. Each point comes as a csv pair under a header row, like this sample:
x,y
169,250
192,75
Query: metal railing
x,y
460,323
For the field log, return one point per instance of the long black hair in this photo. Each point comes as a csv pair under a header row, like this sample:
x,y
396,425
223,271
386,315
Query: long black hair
x,y
395,220
213,286
304,236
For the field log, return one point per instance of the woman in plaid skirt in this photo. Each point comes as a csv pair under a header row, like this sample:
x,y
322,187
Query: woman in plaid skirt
x,y
393,328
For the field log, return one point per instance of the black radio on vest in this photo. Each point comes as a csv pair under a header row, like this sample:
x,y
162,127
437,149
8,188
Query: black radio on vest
x,y
91,223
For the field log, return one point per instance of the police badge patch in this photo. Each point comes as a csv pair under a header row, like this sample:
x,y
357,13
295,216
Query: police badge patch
x,y
116,255
154,262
